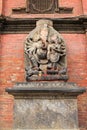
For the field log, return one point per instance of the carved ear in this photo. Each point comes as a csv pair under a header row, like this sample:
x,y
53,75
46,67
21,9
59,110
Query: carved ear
x,y
60,40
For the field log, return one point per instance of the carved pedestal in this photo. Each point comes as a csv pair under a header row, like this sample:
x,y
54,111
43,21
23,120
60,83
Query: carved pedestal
x,y
45,105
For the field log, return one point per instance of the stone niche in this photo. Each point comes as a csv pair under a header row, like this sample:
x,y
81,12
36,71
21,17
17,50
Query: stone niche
x,y
45,105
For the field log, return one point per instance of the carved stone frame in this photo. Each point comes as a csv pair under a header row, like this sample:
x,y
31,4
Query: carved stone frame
x,y
54,8
53,4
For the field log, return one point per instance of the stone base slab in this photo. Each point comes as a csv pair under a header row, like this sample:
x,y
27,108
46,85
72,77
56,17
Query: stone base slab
x,y
45,105
45,114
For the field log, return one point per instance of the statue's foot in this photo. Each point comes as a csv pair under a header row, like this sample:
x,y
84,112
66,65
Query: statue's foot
x,y
49,66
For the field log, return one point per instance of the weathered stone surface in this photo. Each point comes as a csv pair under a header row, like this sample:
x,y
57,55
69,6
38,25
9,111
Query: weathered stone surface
x,y
45,114
45,105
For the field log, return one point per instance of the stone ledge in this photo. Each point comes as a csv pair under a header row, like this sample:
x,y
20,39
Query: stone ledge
x,y
76,24
45,88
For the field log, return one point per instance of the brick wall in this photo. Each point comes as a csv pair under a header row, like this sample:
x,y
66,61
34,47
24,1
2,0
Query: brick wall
x,y
11,71
12,60
1,7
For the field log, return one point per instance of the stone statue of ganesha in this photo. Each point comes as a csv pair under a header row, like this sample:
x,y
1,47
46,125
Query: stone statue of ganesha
x,y
45,53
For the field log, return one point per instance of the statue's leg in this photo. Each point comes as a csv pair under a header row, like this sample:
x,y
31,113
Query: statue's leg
x,y
49,65
34,62
54,65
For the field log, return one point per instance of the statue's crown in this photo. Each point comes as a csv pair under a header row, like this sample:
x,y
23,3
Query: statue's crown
x,y
44,21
